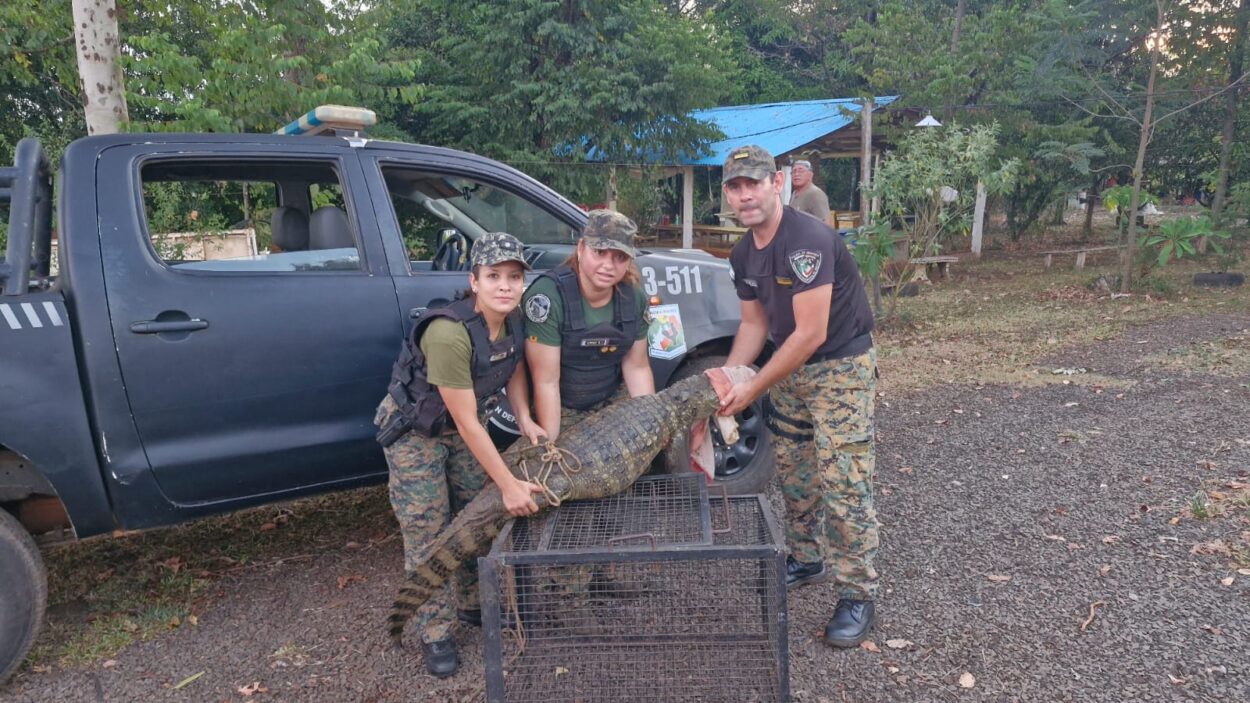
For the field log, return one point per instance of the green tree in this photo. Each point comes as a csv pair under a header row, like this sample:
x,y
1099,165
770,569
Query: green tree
x,y
533,82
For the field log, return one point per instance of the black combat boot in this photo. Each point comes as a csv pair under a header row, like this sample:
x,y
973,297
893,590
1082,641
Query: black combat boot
x,y
851,621
470,617
441,659
799,573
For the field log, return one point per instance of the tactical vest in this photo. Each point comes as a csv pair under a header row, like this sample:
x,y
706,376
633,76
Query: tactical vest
x,y
421,408
590,359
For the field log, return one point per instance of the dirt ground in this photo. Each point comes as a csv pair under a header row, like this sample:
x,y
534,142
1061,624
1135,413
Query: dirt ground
x,y
1078,541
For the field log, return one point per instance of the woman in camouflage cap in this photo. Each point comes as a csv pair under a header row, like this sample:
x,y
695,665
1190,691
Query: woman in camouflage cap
x,y
586,323
449,373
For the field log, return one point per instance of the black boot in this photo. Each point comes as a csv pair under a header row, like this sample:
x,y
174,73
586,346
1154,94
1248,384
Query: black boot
x,y
470,617
851,621
441,659
799,573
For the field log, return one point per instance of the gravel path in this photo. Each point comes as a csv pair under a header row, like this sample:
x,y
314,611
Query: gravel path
x,y
1036,544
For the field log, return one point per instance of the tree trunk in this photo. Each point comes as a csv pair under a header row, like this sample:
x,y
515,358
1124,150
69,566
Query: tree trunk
x,y
1091,197
1230,112
100,75
1130,246
960,10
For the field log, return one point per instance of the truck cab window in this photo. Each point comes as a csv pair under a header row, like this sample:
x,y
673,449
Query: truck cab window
x,y
429,204
248,217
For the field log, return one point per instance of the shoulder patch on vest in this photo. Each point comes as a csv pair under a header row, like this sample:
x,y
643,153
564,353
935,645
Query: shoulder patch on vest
x,y
806,264
538,308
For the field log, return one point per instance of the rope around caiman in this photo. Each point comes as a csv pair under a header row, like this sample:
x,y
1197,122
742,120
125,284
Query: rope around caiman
x,y
553,457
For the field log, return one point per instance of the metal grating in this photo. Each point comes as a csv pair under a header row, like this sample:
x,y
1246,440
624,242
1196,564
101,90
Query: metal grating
x,y
668,510
699,621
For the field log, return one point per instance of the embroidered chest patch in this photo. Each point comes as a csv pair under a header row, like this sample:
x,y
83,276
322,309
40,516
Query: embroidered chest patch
x,y
538,308
806,264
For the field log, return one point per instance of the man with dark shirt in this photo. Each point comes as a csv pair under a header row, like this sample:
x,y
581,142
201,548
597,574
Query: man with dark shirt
x,y
800,288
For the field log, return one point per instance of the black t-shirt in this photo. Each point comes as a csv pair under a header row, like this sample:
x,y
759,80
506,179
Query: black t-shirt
x,y
805,253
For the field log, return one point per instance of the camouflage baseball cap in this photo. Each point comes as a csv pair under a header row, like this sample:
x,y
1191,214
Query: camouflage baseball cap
x,y
749,162
606,229
497,247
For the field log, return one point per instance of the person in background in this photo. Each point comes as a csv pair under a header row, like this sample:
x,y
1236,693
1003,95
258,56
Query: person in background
x,y
448,376
806,195
800,287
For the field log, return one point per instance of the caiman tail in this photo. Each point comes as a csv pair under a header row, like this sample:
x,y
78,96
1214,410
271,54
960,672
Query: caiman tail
x,y
599,457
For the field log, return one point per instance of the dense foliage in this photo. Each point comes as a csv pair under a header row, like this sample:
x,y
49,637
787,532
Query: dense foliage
x,y
545,84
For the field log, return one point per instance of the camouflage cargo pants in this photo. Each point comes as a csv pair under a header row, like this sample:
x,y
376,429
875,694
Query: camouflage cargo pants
x,y
823,435
431,479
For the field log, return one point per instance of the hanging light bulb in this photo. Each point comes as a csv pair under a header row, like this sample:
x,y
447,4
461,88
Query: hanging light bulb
x,y
929,121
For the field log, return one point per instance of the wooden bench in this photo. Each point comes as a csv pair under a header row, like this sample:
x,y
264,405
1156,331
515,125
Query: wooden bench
x,y
941,263
1080,254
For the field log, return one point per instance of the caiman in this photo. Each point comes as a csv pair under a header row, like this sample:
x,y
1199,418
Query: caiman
x,y
601,456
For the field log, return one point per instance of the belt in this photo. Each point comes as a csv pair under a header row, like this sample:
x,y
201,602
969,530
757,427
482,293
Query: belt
x,y
852,347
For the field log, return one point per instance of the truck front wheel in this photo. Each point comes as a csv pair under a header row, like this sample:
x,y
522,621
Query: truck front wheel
x,y
744,467
23,593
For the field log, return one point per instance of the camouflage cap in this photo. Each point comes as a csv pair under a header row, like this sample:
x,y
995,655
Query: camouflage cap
x,y
606,229
749,161
497,247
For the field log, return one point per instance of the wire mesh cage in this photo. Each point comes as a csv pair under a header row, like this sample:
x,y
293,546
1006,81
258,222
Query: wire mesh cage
x,y
657,594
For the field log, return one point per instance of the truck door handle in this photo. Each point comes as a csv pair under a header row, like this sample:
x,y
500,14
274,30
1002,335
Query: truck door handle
x,y
163,326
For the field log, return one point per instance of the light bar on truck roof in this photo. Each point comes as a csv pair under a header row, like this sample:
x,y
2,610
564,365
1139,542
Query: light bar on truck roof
x,y
326,118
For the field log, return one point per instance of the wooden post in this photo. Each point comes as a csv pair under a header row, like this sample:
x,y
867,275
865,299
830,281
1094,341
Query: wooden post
x,y
788,190
978,219
611,194
865,160
687,207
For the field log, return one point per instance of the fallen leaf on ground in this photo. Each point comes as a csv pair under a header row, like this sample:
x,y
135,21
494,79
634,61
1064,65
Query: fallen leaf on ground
x,y
561,670
193,620
189,680
1214,547
252,688
1056,538
1104,570
344,581
1110,539
870,646
109,663
1244,572
1174,521
1176,680
1213,629
268,526
906,470
967,680
898,643
1226,581
999,578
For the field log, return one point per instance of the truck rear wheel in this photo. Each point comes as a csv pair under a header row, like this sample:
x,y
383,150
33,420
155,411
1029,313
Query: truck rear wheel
x,y
744,467
23,593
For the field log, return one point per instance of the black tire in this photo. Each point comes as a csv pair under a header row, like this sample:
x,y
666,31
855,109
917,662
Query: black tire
x,y
23,594
745,467
1219,280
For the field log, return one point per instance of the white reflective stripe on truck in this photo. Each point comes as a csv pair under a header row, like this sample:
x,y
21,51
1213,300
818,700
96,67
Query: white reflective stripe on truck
x,y
34,321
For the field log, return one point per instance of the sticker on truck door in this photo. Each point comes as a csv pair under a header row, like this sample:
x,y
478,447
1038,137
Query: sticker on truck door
x,y
666,338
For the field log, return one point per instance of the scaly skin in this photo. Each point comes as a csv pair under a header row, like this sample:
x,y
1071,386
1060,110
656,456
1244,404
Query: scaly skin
x,y
615,446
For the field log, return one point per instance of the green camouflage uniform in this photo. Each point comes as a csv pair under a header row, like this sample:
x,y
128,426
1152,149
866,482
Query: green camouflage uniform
x,y
431,479
826,460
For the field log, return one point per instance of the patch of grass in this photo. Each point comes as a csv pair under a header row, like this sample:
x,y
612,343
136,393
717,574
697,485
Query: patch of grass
x,y
105,594
1226,357
997,319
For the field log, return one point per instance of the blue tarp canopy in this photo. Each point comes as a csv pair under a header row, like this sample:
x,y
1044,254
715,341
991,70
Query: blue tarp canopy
x,y
778,127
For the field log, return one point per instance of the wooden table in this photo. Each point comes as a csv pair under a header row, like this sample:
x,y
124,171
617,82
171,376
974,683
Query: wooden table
x,y
724,235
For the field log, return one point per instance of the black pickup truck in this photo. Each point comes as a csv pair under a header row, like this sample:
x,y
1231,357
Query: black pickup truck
x,y
157,367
